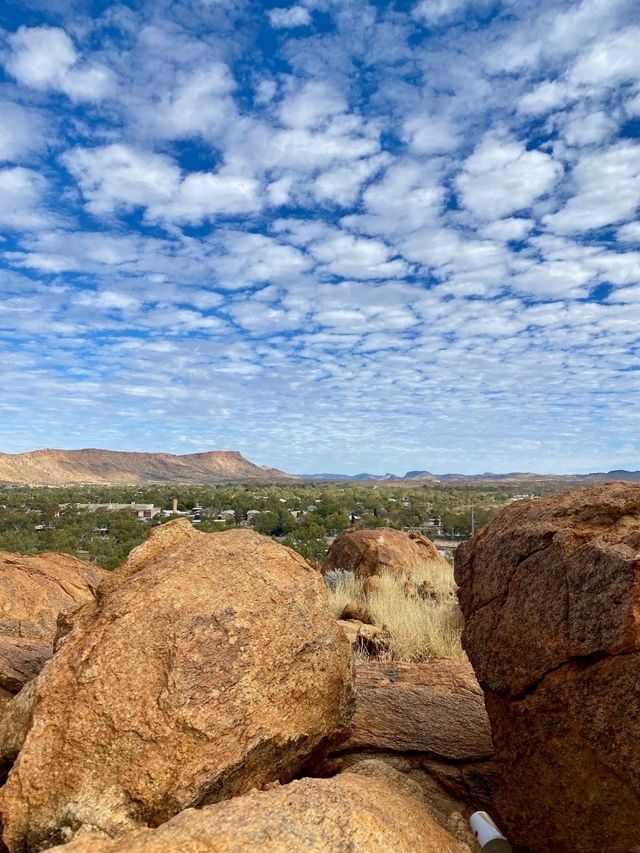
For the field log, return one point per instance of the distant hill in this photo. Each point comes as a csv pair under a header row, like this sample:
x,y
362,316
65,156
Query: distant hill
x,y
632,476
522,477
92,465
419,475
65,467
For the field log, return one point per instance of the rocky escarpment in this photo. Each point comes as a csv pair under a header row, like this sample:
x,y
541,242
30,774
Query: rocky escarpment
x,y
550,590
93,465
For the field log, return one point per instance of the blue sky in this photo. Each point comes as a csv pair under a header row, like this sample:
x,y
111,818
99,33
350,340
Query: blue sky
x,y
334,235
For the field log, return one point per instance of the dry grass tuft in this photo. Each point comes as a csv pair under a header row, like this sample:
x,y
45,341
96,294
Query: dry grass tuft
x,y
420,629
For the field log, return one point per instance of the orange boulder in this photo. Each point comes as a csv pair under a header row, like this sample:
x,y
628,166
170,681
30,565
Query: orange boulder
x,y
550,591
384,550
34,591
208,666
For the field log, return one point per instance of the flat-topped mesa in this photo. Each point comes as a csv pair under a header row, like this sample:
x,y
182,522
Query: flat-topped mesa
x,y
93,465
550,591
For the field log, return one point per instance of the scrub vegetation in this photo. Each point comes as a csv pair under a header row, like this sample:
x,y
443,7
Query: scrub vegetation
x,y
419,628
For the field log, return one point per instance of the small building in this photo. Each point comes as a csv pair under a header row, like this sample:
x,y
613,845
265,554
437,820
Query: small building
x,y
225,516
141,511
144,511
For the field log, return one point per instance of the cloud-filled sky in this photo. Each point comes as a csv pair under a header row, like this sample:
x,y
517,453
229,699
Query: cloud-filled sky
x,y
335,235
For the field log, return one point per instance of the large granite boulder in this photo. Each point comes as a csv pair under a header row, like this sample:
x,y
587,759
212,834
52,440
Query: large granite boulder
x,y
375,810
550,590
384,550
210,664
34,590
435,708
427,716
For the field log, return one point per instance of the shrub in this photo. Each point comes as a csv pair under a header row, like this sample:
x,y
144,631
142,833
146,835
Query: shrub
x,y
420,628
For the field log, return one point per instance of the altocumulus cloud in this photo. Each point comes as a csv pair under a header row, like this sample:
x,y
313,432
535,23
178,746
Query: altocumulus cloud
x,y
333,235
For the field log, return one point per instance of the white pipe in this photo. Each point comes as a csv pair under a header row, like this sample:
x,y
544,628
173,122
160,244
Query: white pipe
x,y
487,833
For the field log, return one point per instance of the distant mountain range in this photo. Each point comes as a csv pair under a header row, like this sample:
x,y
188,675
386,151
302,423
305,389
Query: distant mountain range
x,y
515,476
95,466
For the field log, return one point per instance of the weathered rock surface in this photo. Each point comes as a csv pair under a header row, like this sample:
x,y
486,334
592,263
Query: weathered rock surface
x,y
375,810
469,785
34,590
428,717
355,610
384,550
550,590
22,659
210,664
367,638
5,697
435,708
15,721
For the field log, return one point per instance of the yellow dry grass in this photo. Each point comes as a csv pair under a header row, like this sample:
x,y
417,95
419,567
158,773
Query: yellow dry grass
x,y
420,629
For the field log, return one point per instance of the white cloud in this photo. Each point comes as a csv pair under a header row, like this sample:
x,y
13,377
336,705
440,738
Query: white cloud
x,y
312,106
117,176
630,233
279,191
199,104
564,278
244,260
346,255
260,147
109,299
41,56
405,198
293,16
588,128
508,229
551,36
632,106
434,12
21,132
266,91
21,198
45,58
547,96
611,60
205,194
342,184
502,177
430,135
607,190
